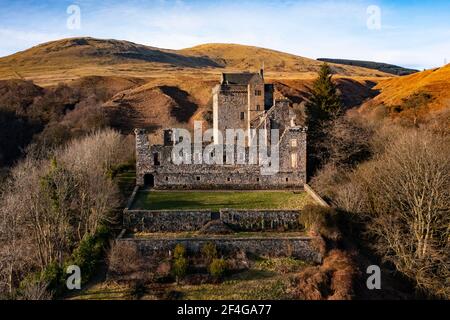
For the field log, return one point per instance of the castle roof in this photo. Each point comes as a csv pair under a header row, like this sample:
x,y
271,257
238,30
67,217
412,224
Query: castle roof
x,y
238,78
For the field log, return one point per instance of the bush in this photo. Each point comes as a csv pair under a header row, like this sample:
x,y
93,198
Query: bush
x,y
180,262
321,220
179,268
179,251
88,255
209,252
217,268
125,260
35,291
53,278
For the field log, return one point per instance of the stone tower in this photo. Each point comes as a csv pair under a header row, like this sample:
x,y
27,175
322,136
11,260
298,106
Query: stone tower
x,y
238,100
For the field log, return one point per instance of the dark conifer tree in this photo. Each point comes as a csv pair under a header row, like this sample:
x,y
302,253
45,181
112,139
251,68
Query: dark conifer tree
x,y
325,104
325,101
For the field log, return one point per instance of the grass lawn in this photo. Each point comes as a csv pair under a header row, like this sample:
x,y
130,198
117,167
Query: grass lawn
x,y
215,200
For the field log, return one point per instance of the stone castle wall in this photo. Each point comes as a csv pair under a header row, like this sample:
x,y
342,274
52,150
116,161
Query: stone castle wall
x,y
300,247
167,175
146,221
261,220
165,220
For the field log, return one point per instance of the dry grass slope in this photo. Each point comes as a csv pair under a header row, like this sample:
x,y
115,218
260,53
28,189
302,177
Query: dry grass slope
x,y
67,59
436,82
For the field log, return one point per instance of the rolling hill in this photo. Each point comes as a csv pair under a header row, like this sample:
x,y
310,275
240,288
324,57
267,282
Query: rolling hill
x,y
383,67
435,82
240,57
396,95
68,59
71,85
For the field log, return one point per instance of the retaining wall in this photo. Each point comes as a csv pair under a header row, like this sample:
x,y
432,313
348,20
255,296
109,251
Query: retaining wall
x,y
165,220
299,247
194,220
259,220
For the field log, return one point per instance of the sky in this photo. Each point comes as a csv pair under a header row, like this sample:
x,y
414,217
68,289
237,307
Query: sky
x,y
413,34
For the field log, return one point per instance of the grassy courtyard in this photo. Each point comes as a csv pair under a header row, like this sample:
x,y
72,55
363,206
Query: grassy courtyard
x,y
215,200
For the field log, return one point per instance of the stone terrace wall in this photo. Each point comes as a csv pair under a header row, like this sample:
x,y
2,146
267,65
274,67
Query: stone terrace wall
x,y
259,220
193,220
165,220
300,247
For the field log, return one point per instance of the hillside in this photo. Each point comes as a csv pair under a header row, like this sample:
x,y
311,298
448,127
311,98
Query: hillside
x,y
240,57
428,91
383,67
436,82
68,59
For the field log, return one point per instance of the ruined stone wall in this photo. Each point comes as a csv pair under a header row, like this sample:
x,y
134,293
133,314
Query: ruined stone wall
x,y
170,176
193,220
300,247
165,220
260,220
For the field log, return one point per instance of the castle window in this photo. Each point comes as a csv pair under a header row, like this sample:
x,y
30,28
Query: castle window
x,y
293,143
242,115
258,107
287,179
167,178
294,160
156,159
257,93
257,179
198,178
273,124
228,179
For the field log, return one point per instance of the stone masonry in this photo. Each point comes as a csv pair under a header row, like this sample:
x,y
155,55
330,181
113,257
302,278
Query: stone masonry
x,y
241,101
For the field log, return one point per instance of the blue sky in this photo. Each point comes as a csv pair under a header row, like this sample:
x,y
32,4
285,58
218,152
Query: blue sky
x,y
412,33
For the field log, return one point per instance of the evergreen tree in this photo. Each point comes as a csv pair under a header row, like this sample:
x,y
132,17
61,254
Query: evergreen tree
x,y
325,104
325,101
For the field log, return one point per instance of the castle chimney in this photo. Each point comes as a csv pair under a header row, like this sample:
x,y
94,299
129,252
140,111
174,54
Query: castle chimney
x,y
261,71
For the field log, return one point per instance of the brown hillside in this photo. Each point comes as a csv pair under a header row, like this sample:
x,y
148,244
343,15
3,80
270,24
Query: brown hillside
x,y
151,108
240,57
398,96
435,82
67,59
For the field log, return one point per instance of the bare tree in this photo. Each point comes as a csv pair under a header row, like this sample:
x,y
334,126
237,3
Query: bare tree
x,y
407,192
47,206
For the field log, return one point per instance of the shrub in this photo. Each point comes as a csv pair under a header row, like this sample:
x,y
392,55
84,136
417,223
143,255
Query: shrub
x,y
320,219
209,252
217,268
179,268
88,255
180,262
179,251
35,291
51,280
124,260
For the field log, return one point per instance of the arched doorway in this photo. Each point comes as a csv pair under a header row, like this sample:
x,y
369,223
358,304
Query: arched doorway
x,y
149,181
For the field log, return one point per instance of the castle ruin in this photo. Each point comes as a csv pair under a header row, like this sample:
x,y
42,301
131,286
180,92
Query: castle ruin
x,y
242,101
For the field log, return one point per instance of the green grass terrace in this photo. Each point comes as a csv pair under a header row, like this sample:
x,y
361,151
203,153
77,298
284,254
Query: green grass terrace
x,y
216,200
